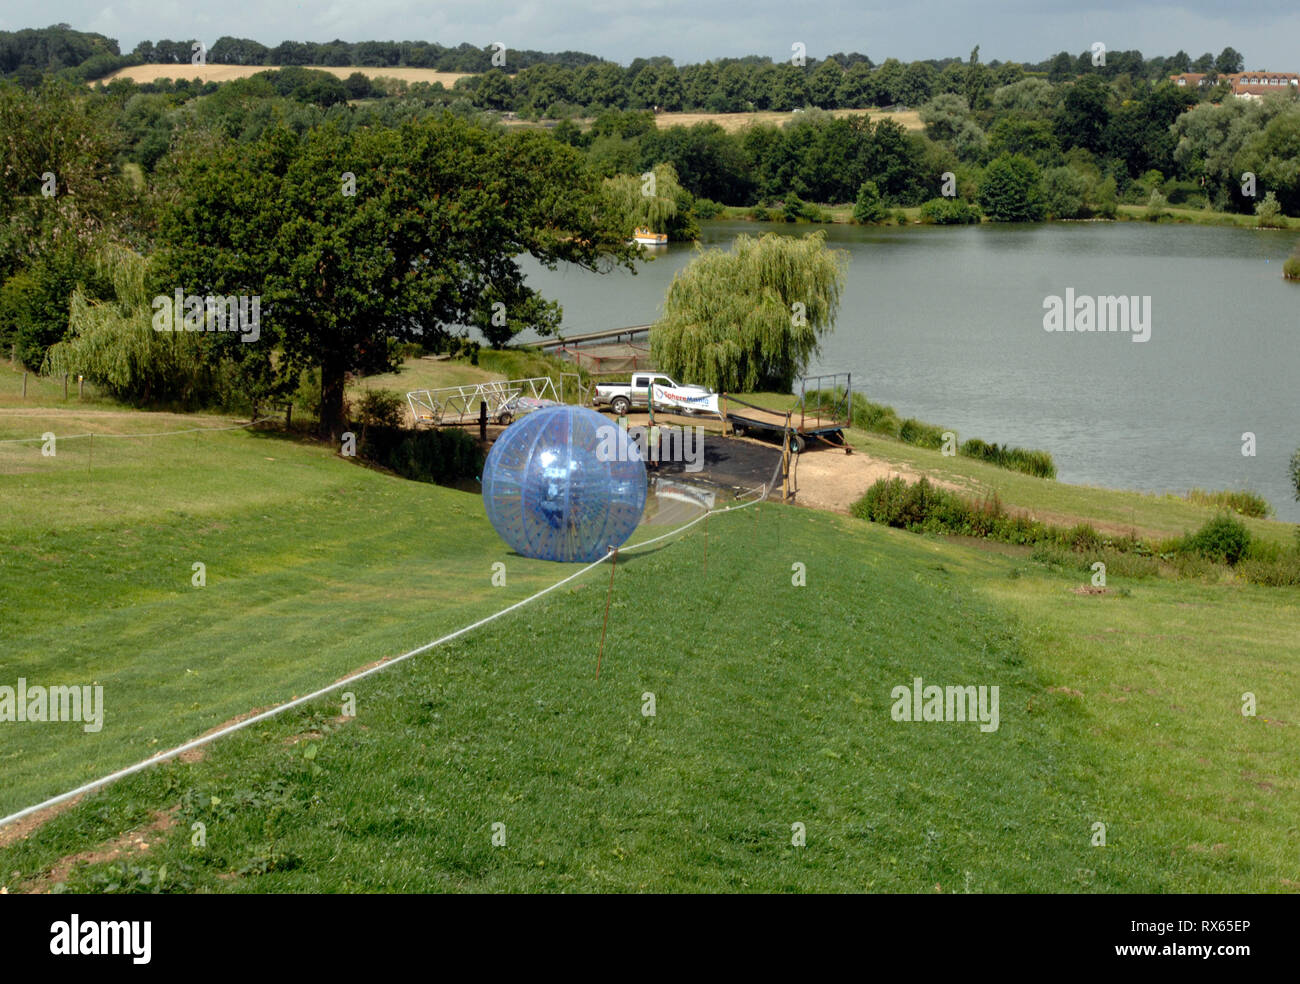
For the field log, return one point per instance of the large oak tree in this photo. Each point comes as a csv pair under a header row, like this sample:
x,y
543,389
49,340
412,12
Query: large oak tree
x,y
429,241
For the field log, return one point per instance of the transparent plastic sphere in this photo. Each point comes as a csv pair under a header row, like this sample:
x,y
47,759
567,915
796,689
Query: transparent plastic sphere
x,y
564,483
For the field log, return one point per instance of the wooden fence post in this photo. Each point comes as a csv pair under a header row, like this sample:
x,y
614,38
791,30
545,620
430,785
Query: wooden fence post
x,y
24,384
65,386
482,420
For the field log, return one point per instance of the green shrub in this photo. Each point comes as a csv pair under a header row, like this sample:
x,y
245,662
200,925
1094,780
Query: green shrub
x,y
815,213
1291,266
1223,539
760,214
707,208
1156,207
1012,190
949,211
880,503
381,408
869,207
1083,537
911,507
441,456
1065,192
1268,213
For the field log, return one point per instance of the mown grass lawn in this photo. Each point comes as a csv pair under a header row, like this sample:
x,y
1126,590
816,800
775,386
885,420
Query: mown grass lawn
x,y
772,703
313,566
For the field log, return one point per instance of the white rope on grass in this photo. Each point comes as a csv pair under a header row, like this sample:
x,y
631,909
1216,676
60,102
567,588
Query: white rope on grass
x,y
353,678
191,430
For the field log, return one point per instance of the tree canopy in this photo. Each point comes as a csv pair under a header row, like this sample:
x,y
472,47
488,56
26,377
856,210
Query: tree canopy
x,y
427,242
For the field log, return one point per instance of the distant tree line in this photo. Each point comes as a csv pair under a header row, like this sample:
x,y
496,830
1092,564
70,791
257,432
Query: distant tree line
x,y
463,57
537,83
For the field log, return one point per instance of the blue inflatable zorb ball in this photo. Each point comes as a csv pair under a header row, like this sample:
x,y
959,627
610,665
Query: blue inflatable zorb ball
x,y
564,483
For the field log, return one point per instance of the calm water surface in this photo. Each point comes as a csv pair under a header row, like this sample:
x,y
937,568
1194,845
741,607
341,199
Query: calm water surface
x,y
946,324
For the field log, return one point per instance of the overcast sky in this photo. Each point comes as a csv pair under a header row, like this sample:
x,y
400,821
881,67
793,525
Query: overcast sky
x,y
1267,32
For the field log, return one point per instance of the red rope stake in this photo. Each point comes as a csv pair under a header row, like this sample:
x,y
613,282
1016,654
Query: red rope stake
x,y
608,595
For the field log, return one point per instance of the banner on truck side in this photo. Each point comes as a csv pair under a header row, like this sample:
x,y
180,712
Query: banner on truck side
x,y
685,399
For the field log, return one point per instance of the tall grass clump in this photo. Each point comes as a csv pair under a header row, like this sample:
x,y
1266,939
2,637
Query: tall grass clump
x,y
1241,501
1037,463
920,434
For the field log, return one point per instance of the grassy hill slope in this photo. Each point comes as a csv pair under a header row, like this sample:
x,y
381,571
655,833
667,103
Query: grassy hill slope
x,y
772,701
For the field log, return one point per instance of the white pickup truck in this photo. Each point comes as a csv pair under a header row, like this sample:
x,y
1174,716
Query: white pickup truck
x,y
668,394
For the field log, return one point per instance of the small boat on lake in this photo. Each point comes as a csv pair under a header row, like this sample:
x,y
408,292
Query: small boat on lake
x,y
646,237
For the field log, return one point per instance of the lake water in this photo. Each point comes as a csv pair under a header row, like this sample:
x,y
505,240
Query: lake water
x,y
946,324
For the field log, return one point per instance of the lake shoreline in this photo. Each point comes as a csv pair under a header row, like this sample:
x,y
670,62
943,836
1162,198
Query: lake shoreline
x,y
1174,215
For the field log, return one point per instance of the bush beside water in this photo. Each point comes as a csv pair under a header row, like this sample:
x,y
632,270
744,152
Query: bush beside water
x,y
949,211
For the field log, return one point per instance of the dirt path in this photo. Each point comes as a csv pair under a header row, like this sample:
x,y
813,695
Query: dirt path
x,y
832,480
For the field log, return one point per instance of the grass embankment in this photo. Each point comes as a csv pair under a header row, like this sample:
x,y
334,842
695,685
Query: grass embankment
x,y
1201,216
1055,503
1123,710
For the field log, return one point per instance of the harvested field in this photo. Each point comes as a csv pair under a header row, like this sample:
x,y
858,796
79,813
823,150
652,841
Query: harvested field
x,y
227,73
732,122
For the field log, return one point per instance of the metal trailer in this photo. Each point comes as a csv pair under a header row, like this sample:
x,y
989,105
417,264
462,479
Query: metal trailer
x,y
460,404
824,410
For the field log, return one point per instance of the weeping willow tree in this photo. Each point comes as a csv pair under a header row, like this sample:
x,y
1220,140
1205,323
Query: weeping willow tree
x,y
114,345
655,200
750,319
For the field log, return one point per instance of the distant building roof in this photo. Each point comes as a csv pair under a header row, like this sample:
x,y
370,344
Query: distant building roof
x,y
1243,83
